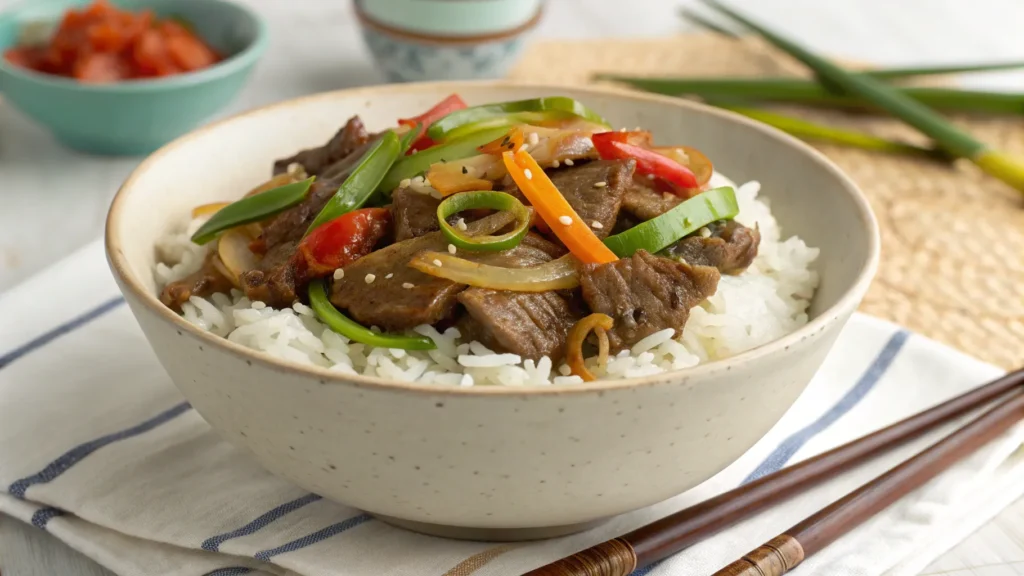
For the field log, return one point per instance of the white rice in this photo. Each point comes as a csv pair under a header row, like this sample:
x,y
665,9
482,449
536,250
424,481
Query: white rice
x,y
767,301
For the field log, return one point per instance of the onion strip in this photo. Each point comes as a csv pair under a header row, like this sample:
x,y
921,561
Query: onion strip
x,y
558,274
599,324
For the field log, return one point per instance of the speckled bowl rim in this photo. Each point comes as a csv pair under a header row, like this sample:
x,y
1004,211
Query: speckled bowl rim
x,y
846,304
227,67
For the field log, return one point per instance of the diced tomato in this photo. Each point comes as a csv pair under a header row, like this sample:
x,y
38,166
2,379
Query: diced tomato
x,y
440,110
101,43
615,146
189,53
343,240
99,67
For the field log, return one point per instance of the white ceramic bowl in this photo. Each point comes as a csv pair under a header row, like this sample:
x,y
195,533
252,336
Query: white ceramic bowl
x,y
490,462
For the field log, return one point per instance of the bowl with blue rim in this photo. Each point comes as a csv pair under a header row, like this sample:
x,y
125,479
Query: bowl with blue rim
x,y
417,40
132,117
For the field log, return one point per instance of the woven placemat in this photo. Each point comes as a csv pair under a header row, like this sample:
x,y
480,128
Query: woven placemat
x,y
952,238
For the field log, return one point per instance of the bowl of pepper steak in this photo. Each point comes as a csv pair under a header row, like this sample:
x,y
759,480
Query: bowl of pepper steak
x,y
491,310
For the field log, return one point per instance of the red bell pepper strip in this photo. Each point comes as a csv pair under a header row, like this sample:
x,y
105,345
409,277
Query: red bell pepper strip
x,y
423,121
343,240
616,146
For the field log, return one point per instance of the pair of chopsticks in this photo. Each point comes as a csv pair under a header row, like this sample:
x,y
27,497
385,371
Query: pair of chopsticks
x,y
660,539
840,86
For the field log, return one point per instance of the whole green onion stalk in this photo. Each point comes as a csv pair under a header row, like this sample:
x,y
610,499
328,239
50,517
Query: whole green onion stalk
x,y
954,140
798,91
821,133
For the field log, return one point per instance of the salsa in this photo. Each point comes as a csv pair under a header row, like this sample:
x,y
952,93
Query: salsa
x,y
102,43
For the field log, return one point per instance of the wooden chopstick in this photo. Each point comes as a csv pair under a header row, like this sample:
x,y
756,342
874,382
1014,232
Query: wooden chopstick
x,y
787,550
664,537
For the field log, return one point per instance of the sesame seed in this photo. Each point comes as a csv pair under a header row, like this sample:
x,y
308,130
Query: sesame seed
x,y
596,225
565,220
533,138
638,128
461,224
568,162
554,164
339,274
437,262
451,248
370,278
405,183
622,129
464,170
650,176
389,276
529,175
524,147
413,152
407,285
705,232
600,184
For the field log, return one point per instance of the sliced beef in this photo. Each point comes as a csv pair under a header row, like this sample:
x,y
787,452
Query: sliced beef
x,y
414,214
278,278
595,190
204,282
646,203
530,324
644,294
315,160
386,302
730,247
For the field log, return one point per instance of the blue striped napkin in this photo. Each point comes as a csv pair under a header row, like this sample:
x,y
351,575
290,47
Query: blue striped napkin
x,y
98,448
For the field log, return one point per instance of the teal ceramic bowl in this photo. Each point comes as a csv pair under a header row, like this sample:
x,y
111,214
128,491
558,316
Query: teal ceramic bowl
x,y
138,116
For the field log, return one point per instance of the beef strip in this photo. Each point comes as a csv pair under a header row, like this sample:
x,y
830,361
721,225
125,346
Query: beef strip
x,y
315,160
530,324
644,294
414,214
731,247
279,278
645,202
385,302
204,282
592,203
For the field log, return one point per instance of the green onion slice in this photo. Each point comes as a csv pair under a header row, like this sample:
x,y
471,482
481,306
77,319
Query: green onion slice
x,y
253,209
456,149
440,129
686,218
363,181
484,199
341,324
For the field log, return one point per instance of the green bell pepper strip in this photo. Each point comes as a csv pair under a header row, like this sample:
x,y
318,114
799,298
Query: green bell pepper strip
x,y
341,324
363,181
488,112
253,209
686,218
420,162
484,199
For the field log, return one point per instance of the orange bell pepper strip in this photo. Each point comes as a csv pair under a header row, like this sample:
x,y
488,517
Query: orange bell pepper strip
x,y
555,209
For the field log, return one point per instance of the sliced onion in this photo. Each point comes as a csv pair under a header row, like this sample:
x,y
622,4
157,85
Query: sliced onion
x,y
473,173
233,251
690,157
208,209
599,324
558,274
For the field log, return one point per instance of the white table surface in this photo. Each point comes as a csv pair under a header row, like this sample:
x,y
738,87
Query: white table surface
x,y
53,200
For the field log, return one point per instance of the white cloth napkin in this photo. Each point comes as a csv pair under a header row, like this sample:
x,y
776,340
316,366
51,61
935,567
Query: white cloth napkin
x,y
98,448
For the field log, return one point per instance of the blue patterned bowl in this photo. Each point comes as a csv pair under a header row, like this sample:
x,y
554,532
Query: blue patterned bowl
x,y
416,40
